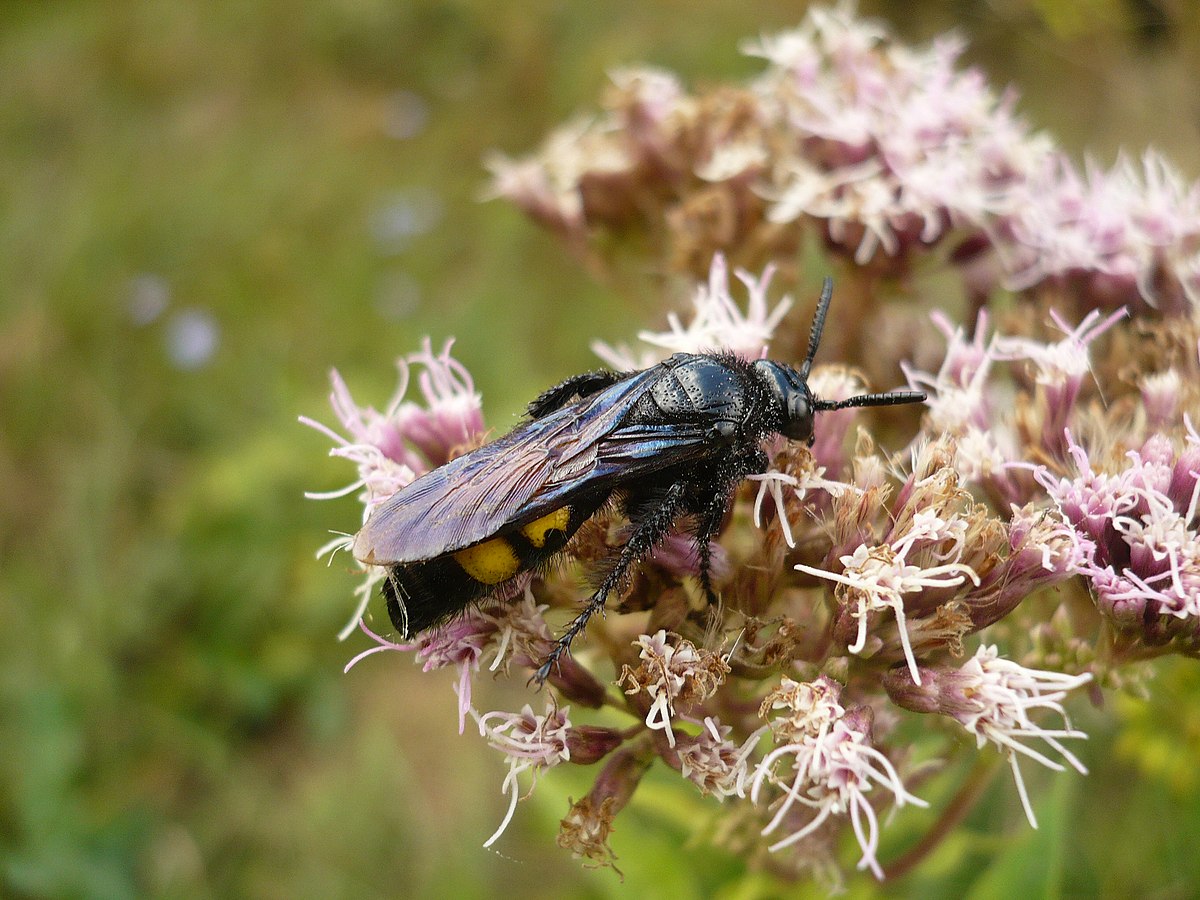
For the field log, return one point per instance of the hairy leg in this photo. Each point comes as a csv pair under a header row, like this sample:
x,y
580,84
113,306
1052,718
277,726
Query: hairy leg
x,y
650,528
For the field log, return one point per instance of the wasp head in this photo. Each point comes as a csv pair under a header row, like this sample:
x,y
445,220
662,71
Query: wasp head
x,y
789,387
794,400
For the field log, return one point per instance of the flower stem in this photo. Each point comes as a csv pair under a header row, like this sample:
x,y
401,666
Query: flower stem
x,y
953,814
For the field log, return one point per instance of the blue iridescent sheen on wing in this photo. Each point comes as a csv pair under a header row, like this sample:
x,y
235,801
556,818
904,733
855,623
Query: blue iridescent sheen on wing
x,y
536,468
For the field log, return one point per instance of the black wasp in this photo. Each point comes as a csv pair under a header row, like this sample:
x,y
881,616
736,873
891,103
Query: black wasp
x,y
669,441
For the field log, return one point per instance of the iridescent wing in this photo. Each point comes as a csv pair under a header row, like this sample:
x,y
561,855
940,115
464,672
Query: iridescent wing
x,y
534,469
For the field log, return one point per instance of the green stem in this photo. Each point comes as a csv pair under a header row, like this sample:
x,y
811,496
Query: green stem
x,y
952,816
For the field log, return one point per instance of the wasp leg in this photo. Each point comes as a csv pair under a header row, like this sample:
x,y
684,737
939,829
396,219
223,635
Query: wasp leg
x,y
577,387
649,531
706,529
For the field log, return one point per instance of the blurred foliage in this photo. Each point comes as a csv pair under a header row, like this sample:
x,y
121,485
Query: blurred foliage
x,y
205,206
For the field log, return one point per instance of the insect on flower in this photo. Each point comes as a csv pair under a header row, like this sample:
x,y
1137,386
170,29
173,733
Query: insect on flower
x,y
665,442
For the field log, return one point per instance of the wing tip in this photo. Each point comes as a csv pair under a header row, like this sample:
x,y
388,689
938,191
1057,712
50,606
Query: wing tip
x,y
363,547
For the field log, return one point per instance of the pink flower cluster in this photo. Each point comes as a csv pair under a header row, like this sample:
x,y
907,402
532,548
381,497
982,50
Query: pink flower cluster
x,y
1057,465
1141,525
885,151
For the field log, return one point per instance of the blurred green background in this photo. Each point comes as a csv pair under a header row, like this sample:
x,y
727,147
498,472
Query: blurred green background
x,y
203,207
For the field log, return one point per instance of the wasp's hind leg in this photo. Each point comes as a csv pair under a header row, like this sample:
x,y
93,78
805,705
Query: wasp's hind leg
x,y
710,518
573,388
649,531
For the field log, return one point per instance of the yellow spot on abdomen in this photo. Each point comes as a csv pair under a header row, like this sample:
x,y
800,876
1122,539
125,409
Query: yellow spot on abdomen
x,y
537,529
491,562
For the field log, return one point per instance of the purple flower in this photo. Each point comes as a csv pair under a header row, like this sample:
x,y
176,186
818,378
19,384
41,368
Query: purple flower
x,y
1061,368
712,762
672,675
393,447
993,698
385,463
829,764
892,146
1141,522
876,579
1118,238
451,416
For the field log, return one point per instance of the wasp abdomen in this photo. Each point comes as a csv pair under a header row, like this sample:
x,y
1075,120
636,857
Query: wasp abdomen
x,y
423,594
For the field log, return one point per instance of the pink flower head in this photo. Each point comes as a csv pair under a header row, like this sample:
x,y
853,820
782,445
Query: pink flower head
x,y
717,322
1060,368
993,698
532,743
893,146
876,579
957,398
1161,398
712,762
1044,549
649,97
672,675
511,632
1123,237
461,642
1184,489
385,463
393,447
451,415
546,186
828,762
1091,500
1142,524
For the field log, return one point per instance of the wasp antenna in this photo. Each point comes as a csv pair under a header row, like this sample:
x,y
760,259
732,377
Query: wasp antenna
x,y
818,325
889,399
